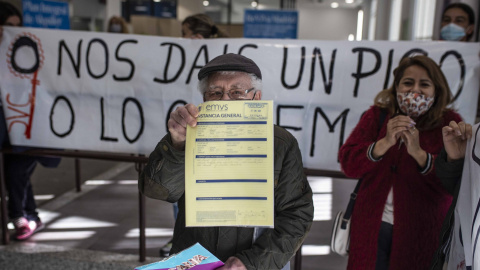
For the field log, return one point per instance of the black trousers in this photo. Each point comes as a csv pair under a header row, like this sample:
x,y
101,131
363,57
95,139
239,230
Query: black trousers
x,y
21,202
18,169
384,246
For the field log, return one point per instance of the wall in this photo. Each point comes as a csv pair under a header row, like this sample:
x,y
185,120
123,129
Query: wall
x,y
339,23
91,10
88,9
186,8
326,23
112,8
315,22
475,4
382,26
406,31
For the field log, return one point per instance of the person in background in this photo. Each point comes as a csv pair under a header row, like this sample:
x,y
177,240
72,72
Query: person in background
x,y
117,25
22,209
449,167
201,26
198,26
233,77
401,203
9,16
458,22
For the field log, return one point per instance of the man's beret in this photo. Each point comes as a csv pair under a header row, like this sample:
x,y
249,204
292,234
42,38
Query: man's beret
x,y
230,62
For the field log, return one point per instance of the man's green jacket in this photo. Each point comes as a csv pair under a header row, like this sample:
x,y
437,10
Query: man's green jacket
x,y
164,178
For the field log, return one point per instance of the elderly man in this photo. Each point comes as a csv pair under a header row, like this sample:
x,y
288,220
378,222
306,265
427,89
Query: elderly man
x,y
233,77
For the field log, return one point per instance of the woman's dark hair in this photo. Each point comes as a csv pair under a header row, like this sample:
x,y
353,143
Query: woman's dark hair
x,y
464,7
443,96
7,10
467,9
202,24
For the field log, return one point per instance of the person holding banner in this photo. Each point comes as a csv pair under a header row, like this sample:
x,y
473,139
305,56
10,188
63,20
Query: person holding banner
x,y
22,209
449,167
458,22
401,203
200,26
239,247
9,16
117,24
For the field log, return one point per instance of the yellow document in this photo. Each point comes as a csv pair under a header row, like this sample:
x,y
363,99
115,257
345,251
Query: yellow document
x,y
229,165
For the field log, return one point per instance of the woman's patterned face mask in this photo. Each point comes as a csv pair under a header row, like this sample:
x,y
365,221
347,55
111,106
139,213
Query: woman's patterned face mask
x,y
414,104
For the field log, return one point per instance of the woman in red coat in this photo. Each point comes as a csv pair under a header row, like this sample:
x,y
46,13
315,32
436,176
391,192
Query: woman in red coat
x,y
400,204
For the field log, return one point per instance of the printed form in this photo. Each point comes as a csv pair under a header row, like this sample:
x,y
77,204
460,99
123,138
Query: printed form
x,y
229,165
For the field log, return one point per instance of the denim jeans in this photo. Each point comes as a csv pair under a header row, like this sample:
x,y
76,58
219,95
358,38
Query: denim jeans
x,y
384,246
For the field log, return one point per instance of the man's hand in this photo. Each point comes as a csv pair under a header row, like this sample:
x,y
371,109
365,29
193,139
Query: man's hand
x,y
177,124
455,137
233,263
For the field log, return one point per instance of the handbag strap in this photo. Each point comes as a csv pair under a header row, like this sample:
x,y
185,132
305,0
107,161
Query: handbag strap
x,y
353,196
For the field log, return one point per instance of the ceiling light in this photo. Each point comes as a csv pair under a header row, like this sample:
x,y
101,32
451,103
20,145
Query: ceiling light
x,y
349,1
254,3
157,1
206,3
334,5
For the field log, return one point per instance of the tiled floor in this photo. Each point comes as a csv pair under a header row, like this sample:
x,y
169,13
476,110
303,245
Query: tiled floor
x,y
104,216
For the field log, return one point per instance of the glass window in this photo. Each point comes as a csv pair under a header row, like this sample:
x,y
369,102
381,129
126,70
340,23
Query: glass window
x,y
218,9
423,19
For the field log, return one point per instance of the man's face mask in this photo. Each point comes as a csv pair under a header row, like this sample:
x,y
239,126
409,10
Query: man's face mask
x,y
116,28
414,104
452,32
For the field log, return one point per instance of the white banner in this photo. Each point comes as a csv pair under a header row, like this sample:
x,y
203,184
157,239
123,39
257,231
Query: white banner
x,y
464,251
114,92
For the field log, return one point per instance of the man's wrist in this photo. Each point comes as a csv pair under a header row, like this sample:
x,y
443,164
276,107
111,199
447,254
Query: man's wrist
x,y
179,146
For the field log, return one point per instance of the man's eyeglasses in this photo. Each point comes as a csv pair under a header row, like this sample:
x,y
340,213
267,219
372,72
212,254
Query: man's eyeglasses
x,y
234,94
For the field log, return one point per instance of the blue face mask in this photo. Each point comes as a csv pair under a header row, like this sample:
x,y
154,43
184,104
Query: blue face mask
x,y
452,32
116,28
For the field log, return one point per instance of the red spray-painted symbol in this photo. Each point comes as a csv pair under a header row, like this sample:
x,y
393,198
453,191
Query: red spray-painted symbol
x,y
24,111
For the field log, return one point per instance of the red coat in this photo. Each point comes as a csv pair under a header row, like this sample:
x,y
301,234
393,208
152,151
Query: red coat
x,y
420,202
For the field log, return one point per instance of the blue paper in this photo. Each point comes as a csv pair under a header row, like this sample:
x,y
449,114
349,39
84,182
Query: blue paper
x,y
195,257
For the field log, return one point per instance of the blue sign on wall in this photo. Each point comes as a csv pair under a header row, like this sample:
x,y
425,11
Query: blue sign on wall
x,y
270,24
45,14
163,9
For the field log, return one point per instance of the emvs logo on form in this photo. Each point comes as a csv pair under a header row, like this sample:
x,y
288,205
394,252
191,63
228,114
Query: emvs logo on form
x,y
216,107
